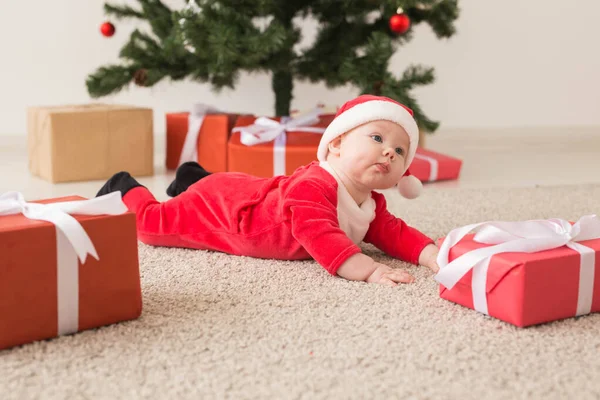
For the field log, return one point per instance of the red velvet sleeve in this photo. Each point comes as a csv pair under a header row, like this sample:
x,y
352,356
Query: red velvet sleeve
x,y
311,207
392,236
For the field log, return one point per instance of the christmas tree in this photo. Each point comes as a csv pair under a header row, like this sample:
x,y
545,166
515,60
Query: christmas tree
x,y
213,41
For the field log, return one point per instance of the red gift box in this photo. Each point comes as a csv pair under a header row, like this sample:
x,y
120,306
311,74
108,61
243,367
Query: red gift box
x,y
431,166
286,150
46,290
524,288
210,143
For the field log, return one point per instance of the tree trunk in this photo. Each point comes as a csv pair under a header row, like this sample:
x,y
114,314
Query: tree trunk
x,y
377,86
283,85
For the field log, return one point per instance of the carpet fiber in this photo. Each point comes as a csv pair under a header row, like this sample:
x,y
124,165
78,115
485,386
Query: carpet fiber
x,y
218,326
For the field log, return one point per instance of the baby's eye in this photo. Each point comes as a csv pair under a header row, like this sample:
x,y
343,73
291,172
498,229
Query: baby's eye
x,y
377,138
399,151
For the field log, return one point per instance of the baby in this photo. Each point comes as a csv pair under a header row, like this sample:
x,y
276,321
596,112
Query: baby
x,y
322,211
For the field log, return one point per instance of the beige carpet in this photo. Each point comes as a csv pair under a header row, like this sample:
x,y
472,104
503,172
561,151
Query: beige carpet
x,y
216,326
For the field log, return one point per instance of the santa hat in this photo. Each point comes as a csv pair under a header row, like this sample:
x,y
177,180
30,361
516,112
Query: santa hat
x,y
367,108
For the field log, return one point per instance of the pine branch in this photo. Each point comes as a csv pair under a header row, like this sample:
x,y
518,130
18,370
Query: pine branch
x,y
154,11
141,49
334,48
122,12
159,17
395,89
368,69
153,76
440,16
221,47
249,8
275,39
417,75
109,80
399,90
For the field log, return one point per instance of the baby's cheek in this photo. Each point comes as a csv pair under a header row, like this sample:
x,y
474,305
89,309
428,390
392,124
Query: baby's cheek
x,y
360,170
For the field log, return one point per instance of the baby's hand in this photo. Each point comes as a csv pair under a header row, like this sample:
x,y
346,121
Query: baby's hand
x,y
360,267
389,276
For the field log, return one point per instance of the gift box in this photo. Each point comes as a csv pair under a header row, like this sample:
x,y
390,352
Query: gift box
x,y
68,264
431,166
524,273
267,147
201,136
89,142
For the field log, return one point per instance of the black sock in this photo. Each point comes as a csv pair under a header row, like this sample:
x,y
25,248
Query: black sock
x,y
119,182
187,174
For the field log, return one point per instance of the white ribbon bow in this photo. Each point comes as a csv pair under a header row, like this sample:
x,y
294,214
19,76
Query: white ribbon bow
x,y
526,237
72,241
265,130
189,151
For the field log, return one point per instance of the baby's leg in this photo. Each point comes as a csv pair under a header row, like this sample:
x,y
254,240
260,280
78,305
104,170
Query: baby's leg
x,y
138,199
154,221
160,224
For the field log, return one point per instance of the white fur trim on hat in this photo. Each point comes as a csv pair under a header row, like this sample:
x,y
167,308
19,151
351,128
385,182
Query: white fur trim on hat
x,y
410,187
369,111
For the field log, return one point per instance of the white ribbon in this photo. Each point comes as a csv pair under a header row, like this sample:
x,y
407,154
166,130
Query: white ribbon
x,y
526,237
72,243
189,151
265,130
433,166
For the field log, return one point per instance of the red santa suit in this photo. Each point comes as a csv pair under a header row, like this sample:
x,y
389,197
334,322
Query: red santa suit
x,y
308,214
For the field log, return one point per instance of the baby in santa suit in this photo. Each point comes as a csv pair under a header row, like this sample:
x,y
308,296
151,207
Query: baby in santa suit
x,y
323,211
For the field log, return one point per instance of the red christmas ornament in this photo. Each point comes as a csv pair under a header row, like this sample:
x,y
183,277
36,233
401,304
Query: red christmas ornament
x,y
399,23
107,29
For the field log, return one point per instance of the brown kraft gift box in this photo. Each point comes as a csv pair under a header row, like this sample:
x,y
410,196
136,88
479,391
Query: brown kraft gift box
x,y
89,142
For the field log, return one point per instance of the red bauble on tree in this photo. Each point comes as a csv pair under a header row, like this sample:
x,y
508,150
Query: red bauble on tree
x,y
107,29
399,23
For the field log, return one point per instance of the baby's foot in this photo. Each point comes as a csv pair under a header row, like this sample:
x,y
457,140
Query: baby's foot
x,y
187,174
119,182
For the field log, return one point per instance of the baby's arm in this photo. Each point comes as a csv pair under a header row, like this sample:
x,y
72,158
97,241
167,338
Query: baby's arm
x,y
394,237
313,214
428,257
311,209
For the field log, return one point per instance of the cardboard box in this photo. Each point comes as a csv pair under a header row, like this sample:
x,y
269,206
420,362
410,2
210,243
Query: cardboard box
x,y
89,142
266,159
106,291
212,140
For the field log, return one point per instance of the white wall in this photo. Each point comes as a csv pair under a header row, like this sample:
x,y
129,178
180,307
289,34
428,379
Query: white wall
x,y
512,63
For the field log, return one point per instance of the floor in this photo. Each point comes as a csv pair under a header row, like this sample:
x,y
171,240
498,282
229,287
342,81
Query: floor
x,y
493,157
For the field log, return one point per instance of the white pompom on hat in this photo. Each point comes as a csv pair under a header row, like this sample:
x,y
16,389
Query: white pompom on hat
x,y
368,108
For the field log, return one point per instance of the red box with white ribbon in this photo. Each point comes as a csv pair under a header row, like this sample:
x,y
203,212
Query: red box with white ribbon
x,y
66,265
267,147
431,166
198,136
524,273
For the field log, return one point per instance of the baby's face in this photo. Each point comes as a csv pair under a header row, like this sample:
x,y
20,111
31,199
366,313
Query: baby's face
x,y
373,154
